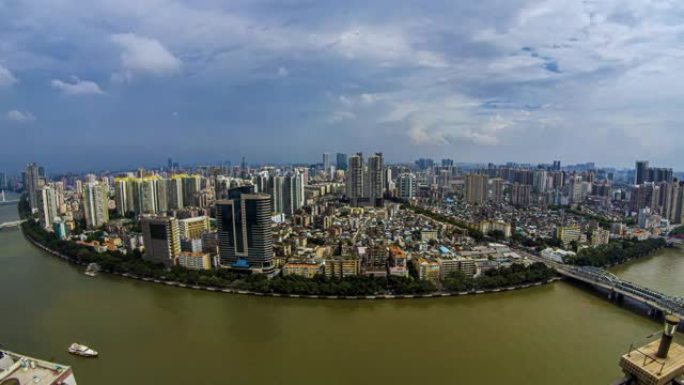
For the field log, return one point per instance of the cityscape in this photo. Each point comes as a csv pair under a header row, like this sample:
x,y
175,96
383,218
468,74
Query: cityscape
x,y
294,192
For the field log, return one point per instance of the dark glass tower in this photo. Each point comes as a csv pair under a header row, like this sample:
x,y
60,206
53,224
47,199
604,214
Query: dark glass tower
x,y
244,230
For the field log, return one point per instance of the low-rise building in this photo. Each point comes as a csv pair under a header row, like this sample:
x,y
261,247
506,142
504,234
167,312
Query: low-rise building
x,y
567,234
308,269
600,237
194,261
556,255
342,267
427,269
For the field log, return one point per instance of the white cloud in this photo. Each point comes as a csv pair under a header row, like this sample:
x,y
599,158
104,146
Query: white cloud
x,y
6,77
17,116
77,87
282,72
143,55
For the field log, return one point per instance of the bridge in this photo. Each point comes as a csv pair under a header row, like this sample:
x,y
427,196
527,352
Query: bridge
x,y
11,224
617,287
4,201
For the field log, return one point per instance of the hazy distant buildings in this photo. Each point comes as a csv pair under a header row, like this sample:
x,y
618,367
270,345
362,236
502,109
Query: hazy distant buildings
x,y
644,173
244,230
161,239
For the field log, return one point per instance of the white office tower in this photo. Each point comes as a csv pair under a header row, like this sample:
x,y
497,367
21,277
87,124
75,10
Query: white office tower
x,y
95,204
407,185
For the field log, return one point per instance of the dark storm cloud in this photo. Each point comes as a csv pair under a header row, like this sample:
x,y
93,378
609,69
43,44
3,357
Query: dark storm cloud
x,y
117,83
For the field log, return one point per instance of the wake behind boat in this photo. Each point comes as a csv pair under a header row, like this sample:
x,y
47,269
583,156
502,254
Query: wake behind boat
x,y
92,269
82,350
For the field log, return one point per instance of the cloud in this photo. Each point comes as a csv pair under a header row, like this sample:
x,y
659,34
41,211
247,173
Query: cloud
x,y
17,116
76,87
143,55
6,77
282,72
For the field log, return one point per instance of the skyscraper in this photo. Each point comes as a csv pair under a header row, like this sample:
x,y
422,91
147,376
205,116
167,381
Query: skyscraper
x,y
191,188
326,162
520,194
174,193
641,172
48,202
354,178
341,161
95,204
244,230
375,178
162,239
476,188
497,190
31,185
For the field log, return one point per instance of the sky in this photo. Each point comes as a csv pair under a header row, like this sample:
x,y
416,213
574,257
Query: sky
x,y
112,84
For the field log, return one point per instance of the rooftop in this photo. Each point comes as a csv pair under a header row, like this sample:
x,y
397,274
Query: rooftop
x,y
643,364
29,370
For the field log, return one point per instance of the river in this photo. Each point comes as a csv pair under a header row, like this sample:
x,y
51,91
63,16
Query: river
x,y
152,334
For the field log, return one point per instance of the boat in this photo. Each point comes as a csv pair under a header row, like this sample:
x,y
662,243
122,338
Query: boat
x,y
82,350
92,269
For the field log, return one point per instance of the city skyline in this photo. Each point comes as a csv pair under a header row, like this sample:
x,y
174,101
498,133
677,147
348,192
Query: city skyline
x,y
109,86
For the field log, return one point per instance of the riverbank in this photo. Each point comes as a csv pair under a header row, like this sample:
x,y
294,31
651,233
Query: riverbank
x,y
209,288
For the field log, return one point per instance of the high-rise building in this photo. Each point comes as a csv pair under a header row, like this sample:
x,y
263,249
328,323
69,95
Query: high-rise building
x,y
476,188
497,190
277,193
326,162
341,161
148,195
539,179
31,185
641,172
375,178
162,195
354,178
520,194
407,185
292,192
447,162
95,204
161,238
191,188
174,191
244,230
3,181
556,165
48,203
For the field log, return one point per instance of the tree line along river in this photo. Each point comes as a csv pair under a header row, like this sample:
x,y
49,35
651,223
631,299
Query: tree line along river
x,y
147,333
